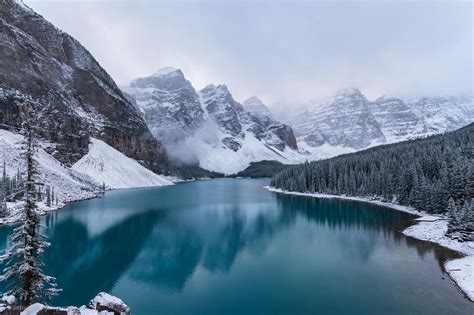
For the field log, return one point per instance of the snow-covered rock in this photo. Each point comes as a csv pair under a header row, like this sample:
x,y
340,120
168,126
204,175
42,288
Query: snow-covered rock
x,y
443,114
106,165
256,107
102,304
106,302
344,120
169,103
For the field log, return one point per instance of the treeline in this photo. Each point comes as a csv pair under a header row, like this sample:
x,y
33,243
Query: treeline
x,y
434,174
12,189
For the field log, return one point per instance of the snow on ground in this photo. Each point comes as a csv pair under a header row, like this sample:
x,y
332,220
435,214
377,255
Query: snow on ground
x,y
68,184
107,165
429,228
102,304
462,272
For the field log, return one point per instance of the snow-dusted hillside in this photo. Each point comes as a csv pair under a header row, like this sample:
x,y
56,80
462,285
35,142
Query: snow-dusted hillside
x,y
106,165
68,185
103,164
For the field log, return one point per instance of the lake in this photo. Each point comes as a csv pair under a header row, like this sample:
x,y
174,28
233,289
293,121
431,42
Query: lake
x,y
229,247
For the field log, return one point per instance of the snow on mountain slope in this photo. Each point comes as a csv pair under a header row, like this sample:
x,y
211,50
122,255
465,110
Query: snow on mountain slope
x,y
209,127
212,154
256,107
169,103
443,114
349,120
68,185
106,165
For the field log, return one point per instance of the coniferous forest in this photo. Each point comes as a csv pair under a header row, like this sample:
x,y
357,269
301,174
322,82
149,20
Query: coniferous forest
x,y
433,174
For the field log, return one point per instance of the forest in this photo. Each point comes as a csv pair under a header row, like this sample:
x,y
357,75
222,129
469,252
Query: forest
x,y
433,174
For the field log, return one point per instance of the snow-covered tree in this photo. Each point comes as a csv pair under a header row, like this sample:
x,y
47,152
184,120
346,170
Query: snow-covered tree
x,y
23,271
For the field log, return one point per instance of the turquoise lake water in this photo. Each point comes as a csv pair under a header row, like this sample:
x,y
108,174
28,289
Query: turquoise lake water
x,y
229,247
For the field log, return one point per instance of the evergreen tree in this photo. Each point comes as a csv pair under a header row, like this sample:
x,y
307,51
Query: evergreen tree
x,y
23,269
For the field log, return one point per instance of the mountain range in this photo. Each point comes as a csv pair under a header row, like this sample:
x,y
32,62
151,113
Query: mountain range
x,y
209,127
161,120
348,121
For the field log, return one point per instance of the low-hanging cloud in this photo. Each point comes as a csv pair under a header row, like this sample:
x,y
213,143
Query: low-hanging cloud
x,y
281,51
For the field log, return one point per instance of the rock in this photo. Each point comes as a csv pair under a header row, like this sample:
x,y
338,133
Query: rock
x,y
106,302
257,108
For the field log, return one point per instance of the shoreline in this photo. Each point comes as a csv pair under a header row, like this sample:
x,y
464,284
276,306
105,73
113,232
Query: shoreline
x,y
428,228
14,218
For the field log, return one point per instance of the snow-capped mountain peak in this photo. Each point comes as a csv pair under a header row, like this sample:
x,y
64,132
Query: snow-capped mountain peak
x,y
166,71
255,106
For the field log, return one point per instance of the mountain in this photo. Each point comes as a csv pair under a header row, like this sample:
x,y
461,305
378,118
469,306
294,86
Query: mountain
x,y
444,113
348,121
256,107
70,95
209,127
344,120
169,103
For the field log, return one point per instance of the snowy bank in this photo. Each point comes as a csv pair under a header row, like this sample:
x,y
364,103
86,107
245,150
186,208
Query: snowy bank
x,y
102,164
102,304
107,165
429,228
462,272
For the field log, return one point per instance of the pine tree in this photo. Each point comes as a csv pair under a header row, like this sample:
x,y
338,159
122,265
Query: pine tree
x,y
23,269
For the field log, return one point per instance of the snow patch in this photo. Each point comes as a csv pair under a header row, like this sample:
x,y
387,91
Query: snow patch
x,y
105,164
462,272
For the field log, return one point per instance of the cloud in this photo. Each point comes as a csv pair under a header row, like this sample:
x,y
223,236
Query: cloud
x,y
281,51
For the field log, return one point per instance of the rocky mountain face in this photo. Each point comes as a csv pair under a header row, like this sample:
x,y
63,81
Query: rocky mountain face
x,y
350,120
47,72
210,118
444,113
257,108
236,121
344,120
169,103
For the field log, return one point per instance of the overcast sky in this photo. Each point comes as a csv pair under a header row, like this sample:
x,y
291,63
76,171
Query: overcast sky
x,y
280,51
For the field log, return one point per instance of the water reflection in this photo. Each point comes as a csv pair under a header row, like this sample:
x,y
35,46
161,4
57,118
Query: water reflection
x,y
162,238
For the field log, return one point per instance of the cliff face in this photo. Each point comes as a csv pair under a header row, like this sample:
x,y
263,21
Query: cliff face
x,y
72,98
